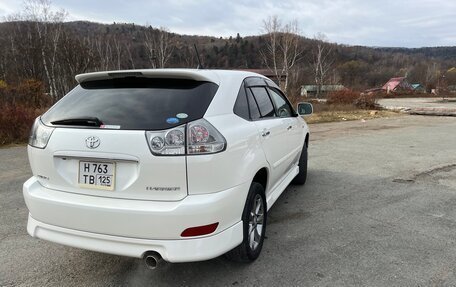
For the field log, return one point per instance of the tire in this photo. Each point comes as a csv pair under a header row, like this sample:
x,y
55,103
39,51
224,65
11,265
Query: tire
x,y
301,177
254,232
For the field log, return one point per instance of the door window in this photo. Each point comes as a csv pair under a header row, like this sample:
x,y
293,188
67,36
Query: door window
x,y
282,107
263,101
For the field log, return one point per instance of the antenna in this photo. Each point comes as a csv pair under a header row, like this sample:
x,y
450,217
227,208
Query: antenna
x,y
200,66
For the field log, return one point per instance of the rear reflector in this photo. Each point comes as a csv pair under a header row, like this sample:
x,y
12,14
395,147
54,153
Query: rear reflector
x,y
200,230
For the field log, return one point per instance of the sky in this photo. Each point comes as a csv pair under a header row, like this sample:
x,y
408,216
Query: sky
x,y
387,23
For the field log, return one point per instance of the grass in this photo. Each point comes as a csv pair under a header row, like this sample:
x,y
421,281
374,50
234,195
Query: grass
x,y
13,145
325,113
348,115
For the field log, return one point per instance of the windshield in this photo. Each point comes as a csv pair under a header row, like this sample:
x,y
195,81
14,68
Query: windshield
x,y
133,103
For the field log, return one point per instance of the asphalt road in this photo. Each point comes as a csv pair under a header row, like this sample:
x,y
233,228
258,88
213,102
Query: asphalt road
x,y
378,210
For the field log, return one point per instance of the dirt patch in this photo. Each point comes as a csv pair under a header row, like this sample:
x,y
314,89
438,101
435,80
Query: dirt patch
x,y
444,175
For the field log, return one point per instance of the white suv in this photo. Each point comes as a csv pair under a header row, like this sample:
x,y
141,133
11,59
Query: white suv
x,y
173,163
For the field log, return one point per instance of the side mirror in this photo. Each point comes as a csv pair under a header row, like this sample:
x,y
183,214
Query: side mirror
x,y
305,109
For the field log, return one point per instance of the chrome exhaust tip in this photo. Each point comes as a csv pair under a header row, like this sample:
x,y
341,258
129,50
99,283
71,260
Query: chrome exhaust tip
x,y
152,259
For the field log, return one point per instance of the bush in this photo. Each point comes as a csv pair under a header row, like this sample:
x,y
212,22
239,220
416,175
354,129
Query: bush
x,y
19,106
344,97
366,101
348,97
3,84
15,123
28,93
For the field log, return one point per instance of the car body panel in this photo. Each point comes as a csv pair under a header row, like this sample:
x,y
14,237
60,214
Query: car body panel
x,y
213,172
155,198
174,251
139,174
133,218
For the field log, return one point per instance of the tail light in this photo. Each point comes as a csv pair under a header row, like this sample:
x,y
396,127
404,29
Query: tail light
x,y
203,138
169,142
40,134
198,137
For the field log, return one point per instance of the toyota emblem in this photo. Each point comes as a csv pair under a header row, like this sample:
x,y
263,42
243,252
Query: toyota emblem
x,y
92,142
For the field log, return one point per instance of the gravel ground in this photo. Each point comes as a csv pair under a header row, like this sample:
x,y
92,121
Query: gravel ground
x,y
377,210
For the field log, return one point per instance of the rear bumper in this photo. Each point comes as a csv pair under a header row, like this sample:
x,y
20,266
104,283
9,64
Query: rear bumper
x,y
183,250
132,227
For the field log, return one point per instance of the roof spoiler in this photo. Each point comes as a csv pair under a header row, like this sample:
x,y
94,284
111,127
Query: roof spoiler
x,y
197,75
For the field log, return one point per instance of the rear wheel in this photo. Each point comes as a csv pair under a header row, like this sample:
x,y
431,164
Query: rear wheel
x,y
254,223
302,175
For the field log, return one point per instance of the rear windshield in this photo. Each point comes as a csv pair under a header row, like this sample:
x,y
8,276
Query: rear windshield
x,y
135,103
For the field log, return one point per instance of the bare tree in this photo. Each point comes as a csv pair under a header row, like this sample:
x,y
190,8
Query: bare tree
x,y
128,49
282,50
431,74
48,28
104,53
159,46
119,51
76,55
321,61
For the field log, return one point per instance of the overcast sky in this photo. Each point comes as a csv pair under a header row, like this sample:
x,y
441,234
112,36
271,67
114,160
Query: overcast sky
x,y
398,23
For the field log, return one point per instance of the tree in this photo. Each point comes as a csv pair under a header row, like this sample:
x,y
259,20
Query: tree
x,y
48,28
432,75
322,59
282,49
159,46
353,72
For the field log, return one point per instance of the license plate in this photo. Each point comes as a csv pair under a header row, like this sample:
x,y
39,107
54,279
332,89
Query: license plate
x,y
97,175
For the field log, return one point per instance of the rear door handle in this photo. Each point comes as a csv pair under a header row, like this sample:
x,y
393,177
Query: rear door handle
x,y
289,128
265,133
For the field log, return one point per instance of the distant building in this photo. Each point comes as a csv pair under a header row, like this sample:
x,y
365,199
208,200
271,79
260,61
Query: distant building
x,y
418,88
397,84
311,90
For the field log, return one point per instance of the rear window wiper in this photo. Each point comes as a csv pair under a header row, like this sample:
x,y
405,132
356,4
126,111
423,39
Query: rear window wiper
x,y
82,121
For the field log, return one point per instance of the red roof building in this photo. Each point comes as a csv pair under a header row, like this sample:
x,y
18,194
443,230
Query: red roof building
x,y
397,84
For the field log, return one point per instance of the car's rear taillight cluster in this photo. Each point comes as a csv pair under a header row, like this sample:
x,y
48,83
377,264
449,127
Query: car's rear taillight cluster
x,y
198,137
40,134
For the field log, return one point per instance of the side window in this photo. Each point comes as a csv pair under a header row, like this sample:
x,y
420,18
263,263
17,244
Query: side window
x,y
241,107
253,107
283,109
263,101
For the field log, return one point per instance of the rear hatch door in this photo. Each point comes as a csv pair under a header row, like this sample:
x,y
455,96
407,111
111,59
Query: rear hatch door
x,y
99,145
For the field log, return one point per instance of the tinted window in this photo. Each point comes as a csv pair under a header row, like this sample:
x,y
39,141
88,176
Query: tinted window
x,y
136,103
282,107
263,101
241,107
271,83
254,81
253,107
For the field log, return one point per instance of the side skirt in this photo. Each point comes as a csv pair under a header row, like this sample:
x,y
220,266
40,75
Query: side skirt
x,y
271,199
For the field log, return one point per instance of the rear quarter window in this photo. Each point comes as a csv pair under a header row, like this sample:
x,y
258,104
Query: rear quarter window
x,y
136,103
241,107
253,107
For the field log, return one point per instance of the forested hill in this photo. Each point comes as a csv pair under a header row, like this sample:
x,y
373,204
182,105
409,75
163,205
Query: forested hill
x,y
441,53
77,47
